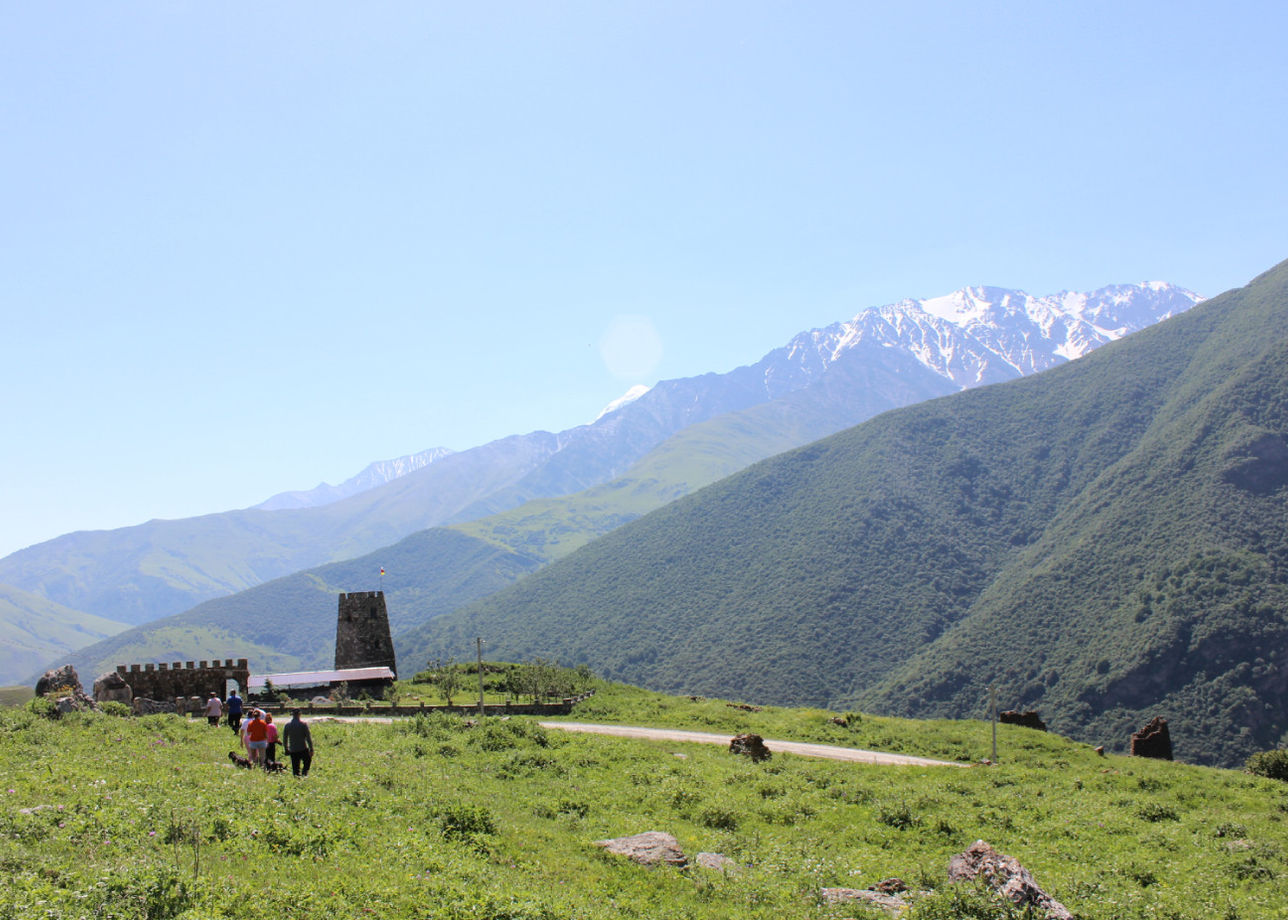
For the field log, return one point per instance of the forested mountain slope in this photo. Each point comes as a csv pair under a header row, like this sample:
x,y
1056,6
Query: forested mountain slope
x,y
822,381
288,623
1106,541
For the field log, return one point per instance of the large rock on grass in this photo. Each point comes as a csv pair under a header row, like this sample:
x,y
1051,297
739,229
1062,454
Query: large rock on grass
x,y
750,745
1154,740
890,903
1029,719
60,682
649,848
112,688
1007,877
145,707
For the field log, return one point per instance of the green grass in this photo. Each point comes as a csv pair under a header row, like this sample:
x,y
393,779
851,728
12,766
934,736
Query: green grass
x,y
1104,542
15,696
111,817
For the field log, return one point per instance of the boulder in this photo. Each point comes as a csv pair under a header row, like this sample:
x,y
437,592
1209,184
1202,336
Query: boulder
x,y
890,902
1154,740
717,862
146,707
751,745
111,687
1007,877
647,849
1029,719
66,704
60,681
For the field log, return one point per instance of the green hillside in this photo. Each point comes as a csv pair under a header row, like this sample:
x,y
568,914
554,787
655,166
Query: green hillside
x,y
136,574
34,631
289,623
1093,540
440,817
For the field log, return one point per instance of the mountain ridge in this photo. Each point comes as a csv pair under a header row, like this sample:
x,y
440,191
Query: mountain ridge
x,y
821,381
929,532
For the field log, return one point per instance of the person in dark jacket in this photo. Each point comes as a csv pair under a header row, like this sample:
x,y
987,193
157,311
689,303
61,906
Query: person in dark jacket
x,y
298,744
234,709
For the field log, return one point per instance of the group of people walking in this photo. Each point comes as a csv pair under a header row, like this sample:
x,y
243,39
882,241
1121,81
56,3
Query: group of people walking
x,y
259,735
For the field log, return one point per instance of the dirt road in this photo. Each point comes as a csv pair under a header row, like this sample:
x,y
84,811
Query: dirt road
x,y
854,755
799,748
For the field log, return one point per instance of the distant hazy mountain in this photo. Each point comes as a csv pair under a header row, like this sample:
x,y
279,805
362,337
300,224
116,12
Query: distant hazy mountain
x,y
820,382
34,631
377,474
1105,542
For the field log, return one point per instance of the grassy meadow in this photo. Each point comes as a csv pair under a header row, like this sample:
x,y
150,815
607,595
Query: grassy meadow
x,y
115,817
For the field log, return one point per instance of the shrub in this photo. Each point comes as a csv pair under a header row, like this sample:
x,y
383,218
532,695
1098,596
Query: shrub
x,y
964,902
465,822
43,707
900,816
1270,764
1154,811
718,817
437,726
496,735
114,708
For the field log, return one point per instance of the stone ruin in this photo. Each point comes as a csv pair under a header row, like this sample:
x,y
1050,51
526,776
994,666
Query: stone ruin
x,y
178,687
168,681
751,745
1154,740
1028,719
362,638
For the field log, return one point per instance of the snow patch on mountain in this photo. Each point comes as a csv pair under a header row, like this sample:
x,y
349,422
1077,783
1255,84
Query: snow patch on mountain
x,y
982,335
629,396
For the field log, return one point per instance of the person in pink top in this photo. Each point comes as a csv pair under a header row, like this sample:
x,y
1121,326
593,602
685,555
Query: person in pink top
x,y
270,752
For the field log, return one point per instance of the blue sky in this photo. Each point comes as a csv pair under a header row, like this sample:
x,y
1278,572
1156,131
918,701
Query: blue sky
x,y
247,248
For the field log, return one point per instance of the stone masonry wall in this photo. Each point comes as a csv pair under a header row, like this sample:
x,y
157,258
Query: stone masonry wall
x,y
362,638
169,681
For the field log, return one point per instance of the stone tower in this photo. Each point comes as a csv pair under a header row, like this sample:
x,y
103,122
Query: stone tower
x,y
362,637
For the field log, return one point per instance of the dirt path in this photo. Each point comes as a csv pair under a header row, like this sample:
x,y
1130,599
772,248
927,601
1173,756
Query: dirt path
x,y
800,748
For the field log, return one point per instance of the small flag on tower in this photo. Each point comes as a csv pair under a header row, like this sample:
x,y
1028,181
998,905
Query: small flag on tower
x,y
382,571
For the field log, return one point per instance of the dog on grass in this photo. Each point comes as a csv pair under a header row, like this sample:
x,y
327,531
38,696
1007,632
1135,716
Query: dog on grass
x,y
272,766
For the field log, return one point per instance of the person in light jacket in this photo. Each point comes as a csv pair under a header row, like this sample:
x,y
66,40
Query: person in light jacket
x,y
214,708
297,741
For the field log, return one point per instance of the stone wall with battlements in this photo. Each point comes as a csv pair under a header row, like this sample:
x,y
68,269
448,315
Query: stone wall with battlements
x,y
185,679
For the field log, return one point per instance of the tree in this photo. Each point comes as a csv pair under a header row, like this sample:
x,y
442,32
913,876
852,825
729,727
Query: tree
x,y
446,676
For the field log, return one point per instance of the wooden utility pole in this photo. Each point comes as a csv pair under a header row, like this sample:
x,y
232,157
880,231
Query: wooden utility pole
x,y
992,705
479,644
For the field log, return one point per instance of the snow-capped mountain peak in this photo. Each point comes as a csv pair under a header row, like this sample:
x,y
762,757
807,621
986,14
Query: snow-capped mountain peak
x,y
982,334
629,396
